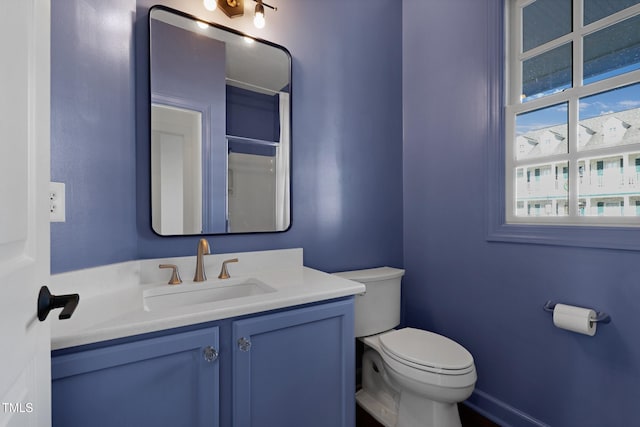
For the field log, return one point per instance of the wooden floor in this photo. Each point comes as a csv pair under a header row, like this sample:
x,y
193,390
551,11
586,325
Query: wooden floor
x,y
468,417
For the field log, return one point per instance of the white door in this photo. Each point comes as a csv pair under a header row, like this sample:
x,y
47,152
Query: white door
x,y
25,383
176,170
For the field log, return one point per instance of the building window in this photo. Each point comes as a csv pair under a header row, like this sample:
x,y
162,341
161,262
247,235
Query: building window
x,y
572,116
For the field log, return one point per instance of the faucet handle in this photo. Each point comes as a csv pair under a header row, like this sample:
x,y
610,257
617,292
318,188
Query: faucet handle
x,y
175,276
224,273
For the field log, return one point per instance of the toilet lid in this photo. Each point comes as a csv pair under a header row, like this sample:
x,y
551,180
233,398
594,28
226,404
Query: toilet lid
x,y
426,349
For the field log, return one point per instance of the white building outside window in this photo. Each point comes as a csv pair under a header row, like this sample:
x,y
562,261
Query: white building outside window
x,y
573,112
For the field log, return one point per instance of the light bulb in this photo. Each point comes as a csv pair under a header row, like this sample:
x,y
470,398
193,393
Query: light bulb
x,y
202,25
258,18
210,4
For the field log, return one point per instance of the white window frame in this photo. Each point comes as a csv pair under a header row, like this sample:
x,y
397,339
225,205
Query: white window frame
x,y
572,96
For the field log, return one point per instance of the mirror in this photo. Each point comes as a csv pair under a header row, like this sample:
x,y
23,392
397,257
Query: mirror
x,y
220,129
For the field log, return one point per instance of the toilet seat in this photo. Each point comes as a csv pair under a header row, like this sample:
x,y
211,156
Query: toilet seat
x,y
427,352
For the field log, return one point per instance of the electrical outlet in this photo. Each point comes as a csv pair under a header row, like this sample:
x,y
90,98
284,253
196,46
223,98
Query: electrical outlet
x,y
56,202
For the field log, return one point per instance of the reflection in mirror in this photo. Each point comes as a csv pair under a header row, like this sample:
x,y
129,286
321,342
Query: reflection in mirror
x,y
220,129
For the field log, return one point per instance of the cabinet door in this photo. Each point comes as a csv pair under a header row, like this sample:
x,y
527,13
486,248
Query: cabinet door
x,y
295,368
166,381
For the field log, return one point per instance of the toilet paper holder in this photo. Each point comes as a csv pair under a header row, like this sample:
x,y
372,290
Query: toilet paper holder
x,y
601,317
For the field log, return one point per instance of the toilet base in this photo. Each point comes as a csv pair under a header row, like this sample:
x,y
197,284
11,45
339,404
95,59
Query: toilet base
x,y
381,411
418,413
415,411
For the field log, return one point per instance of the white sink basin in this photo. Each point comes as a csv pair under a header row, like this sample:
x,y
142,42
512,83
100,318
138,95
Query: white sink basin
x,y
199,293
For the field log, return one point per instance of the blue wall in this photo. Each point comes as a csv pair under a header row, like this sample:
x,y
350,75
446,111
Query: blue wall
x,y
347,133
489,296
92,132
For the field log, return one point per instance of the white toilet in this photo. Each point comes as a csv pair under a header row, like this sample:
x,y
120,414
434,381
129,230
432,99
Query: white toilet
x,y
410,377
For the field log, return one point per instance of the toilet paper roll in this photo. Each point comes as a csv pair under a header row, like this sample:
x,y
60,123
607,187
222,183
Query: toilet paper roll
x,y
576,319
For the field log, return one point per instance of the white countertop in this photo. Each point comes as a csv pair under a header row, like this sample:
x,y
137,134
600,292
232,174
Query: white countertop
x,y
111,297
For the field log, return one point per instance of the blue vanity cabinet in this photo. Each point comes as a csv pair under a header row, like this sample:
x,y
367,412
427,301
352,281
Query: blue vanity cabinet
x,y
170,380
295,368
288,368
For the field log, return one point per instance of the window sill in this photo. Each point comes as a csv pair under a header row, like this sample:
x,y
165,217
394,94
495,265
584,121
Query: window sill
x,y
623,238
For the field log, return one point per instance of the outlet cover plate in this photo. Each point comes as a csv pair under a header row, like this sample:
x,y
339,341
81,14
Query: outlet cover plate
x,y
57,202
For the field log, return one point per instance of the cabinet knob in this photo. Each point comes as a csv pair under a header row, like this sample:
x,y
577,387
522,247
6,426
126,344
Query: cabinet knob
x,y
244,344
210,354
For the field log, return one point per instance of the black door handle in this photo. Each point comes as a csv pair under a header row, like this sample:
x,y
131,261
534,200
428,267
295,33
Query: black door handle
x,y
47,302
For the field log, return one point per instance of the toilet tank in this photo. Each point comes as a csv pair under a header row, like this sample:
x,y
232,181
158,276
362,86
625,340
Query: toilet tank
x,y
378,309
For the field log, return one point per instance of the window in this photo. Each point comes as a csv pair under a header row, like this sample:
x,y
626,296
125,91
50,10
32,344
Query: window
x,y
572,116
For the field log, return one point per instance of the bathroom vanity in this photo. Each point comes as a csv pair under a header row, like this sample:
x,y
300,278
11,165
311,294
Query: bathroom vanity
x,y
279,358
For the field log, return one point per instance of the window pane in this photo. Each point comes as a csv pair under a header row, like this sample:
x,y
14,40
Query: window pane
x,y
610,119
542,190
612,51
541,132
609,186
547,73
545,20
598,9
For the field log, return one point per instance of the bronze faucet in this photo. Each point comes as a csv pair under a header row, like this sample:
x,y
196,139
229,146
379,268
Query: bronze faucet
x,y
203,249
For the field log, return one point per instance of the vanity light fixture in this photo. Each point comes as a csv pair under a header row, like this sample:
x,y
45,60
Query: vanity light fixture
x,y
235,8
